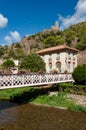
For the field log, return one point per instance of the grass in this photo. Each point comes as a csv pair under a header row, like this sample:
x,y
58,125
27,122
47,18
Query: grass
x,y
54,100
59,101
75,107
7,93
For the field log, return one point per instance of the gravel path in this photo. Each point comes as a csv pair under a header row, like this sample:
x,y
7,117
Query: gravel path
x,y
79,99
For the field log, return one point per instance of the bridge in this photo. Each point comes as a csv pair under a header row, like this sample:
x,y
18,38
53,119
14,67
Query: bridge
x,y
21,80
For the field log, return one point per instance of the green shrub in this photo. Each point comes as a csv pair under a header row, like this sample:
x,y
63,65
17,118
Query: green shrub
x,y
74,107
72,88
79,75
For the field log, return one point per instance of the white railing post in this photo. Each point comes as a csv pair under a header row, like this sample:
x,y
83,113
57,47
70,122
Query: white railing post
x,y
40,78
12,81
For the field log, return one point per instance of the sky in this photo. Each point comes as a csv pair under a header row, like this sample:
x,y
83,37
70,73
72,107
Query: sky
x,y
19,18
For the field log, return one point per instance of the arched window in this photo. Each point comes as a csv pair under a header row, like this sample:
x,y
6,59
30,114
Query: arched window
x,y
58,65
50,65
69,65
73,65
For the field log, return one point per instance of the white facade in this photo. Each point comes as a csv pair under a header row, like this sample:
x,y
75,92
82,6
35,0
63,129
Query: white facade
x,y
14,70
62,60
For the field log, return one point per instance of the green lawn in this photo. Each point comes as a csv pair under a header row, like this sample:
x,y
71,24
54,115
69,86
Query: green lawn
x,y
59,101
7,93
54,100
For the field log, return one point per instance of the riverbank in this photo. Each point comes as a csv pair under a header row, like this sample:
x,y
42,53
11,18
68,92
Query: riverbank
x,y
47,96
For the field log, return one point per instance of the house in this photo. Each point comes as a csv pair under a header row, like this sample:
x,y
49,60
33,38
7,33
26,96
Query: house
x,y
14,70
59,58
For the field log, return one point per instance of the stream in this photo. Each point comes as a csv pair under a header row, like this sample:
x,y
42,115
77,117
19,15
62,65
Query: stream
x,y
38,117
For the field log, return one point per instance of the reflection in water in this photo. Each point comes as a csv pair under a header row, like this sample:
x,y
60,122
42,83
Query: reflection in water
x,y
7,116
32,117
6,104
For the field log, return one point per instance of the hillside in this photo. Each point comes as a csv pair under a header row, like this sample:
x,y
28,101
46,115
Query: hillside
x,y
74,36
82,57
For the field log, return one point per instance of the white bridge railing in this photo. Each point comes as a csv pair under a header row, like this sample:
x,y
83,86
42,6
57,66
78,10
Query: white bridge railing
x,y
20,80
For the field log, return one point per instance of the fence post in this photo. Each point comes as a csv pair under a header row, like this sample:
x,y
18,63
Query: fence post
x,y
12,81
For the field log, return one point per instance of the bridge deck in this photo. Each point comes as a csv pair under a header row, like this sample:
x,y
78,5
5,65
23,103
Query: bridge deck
x,y
21,80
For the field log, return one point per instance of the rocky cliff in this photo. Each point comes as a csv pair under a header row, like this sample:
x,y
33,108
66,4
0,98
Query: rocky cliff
x,y
82,57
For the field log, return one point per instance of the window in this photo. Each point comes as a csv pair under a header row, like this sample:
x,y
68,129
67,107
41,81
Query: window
x,y
58,56
69,65
50,65
73,65
69,56
74,57
50,57
58,66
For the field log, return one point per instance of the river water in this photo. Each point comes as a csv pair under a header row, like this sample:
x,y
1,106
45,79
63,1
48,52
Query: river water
x,y
36,117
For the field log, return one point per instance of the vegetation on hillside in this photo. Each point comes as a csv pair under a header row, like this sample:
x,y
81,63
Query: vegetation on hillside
x,y
14,51
74,36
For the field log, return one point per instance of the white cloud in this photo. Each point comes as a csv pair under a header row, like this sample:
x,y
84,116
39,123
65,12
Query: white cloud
x,y
3,21
14,36
8,39
78,16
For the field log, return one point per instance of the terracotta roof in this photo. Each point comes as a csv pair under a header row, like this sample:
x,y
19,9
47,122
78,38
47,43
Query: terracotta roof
x,y
56,48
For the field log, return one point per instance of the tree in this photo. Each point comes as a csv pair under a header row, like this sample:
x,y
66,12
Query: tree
x,y
11,53
33,62
79,75
50,41
1,51
19,53
17,45
59,40
69,34
8,64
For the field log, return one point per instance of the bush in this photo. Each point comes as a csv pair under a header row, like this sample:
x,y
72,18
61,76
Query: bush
x,y
79,75
72,88
54,72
